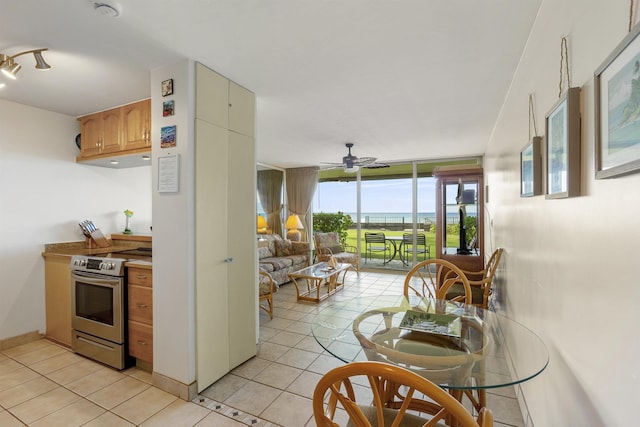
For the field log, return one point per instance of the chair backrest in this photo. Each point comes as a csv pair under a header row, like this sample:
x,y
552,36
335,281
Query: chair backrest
x,y
374,237
395,391
492,265
433,278
329,240
421,239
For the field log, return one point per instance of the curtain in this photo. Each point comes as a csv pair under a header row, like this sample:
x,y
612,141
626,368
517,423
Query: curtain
x,y
301,186
270,194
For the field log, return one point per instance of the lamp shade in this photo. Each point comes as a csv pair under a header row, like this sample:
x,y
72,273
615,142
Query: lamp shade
x,y
293,224
261,223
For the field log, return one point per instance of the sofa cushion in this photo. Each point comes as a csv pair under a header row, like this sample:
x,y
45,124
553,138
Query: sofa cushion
x,y
297,259
278,263
266,267
264,253
283,248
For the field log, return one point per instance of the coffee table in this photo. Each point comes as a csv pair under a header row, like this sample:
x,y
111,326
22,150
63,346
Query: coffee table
x,y
321,281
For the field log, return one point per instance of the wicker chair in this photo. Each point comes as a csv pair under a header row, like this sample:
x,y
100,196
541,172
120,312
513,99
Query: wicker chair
x,y
434,278
265,291
328,245
395,391
480,281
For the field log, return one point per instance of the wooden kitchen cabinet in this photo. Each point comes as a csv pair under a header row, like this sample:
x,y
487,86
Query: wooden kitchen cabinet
x,y
101,133
116,131
136,125
140,311
57,279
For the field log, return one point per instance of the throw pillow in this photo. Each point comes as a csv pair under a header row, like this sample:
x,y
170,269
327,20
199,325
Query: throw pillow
x,y
264,253
284,248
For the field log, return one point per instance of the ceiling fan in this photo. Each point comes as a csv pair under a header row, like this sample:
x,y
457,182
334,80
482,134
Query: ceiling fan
x,y
351,163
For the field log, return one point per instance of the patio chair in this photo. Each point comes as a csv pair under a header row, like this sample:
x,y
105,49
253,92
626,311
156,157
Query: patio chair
x,y
421,246
328,245
480,281
376,242
396,397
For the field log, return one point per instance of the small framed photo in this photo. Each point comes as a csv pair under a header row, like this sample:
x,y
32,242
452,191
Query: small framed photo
x,y
167,108
168,136
531,168
617,110
562,125
167,87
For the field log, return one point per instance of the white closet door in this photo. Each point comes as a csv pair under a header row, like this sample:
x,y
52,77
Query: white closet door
x,y
212,310
242,271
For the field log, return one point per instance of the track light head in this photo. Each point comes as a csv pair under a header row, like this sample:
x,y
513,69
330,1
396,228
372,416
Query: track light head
x,y
10,67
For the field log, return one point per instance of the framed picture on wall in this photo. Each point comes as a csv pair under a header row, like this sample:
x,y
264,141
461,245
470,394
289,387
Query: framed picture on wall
x,y
562,125
531,168
617,109
167,87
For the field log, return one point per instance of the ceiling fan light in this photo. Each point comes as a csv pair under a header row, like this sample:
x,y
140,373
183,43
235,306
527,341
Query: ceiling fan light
x,y
352,169
11,69
41,64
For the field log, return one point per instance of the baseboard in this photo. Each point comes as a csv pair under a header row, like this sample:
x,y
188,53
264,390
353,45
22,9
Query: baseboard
x,y
7,343
186,392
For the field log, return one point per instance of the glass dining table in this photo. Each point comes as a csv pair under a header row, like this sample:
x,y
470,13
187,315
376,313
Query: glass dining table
x,y
457,346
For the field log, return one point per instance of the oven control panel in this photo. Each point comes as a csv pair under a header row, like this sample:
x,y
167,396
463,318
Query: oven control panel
x,y
108,266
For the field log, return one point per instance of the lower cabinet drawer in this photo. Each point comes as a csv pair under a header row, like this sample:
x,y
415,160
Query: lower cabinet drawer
x,y
140,304
141,341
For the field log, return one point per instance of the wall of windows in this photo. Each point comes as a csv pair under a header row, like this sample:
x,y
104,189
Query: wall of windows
x,y
398,201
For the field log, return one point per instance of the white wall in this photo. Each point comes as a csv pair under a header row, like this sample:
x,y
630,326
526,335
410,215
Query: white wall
x,y
173,250
43,196
568,272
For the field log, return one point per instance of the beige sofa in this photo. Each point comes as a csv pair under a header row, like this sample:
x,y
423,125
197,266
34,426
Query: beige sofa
x,y
279,257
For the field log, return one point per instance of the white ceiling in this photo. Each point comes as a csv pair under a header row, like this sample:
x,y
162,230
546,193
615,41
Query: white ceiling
x,y
402,79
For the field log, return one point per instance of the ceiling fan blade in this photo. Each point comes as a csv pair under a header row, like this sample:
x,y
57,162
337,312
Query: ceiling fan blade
x,y
363,161
376,166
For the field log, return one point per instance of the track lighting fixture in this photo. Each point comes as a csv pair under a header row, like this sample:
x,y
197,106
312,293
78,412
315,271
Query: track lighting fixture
x,y
10,67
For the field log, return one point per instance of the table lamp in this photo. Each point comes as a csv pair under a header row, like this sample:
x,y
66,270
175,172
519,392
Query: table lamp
x,y
261,224
294,225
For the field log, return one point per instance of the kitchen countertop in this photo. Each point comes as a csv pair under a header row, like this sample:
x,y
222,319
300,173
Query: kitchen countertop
x,y
120,242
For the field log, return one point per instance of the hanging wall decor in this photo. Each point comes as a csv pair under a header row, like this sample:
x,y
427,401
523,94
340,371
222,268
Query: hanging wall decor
x,y
531,168
617,110
562,126
167,87
531,159
168,136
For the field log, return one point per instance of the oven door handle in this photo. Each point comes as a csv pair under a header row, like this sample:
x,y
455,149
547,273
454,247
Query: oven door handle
x,y
93,279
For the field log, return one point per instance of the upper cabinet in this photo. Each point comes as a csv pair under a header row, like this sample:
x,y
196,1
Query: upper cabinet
x,y
136,125
119,131
224,103
100,133
242,110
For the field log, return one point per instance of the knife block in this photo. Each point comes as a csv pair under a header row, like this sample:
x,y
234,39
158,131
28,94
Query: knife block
x,y
97,240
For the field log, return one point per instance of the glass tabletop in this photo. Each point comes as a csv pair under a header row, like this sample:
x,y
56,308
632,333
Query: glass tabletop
x,y
455,345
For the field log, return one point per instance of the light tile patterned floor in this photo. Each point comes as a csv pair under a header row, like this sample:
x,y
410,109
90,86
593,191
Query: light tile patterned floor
x,y
43,384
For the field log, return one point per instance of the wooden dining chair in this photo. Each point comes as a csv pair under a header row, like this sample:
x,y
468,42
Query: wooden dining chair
x,y
480,281
266,287
433,278
393,396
